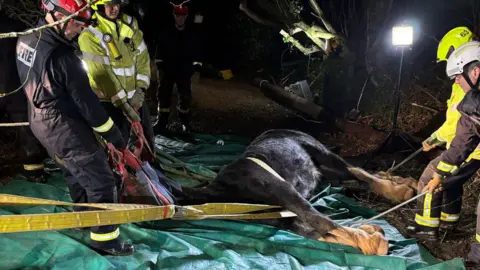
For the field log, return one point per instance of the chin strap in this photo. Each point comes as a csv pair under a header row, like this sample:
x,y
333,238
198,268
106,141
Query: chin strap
x,y
467,78
61,31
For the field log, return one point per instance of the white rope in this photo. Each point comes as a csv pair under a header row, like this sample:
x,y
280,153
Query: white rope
x,y
18,124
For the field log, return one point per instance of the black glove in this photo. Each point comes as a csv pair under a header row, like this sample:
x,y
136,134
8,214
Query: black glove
x,y
115,137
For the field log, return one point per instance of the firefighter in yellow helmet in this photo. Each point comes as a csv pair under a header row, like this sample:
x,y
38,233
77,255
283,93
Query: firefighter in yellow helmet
x,y
431,216
118,65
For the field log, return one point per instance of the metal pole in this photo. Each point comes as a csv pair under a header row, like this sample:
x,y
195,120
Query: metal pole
x,y
397,92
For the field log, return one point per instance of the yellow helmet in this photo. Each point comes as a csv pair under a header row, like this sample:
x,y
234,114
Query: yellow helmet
x,y
108,2
452,40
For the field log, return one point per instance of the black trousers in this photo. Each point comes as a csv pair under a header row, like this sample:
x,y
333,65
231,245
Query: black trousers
x,y
182,78
442,206
32,152
124,125
71,141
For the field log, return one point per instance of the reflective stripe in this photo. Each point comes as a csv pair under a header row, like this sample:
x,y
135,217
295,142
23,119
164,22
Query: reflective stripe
x,y
182,111
119,95
130,93
477,237
144,78
164,109
449,217
99,93
124,71
444,167
266,167
142,47
105,127
99,36
129,19
96,58
198,63
32,167
428,222
102,237
427,205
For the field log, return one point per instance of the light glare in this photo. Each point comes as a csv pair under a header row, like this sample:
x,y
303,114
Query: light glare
x,y
402,35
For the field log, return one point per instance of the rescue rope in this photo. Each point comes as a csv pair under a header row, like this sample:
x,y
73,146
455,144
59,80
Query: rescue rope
x,y
17,124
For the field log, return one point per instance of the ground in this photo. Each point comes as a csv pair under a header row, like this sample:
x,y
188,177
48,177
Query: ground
x,y
237,107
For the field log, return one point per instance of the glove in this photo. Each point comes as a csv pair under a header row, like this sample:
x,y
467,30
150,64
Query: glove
x,y
130,112
435,185
114,136
431,143
137,99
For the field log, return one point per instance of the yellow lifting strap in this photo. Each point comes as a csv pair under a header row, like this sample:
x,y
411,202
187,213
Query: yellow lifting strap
x,y
123,213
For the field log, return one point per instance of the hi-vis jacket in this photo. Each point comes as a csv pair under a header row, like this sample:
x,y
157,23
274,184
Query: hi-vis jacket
x,y
467,136
117,58
446,132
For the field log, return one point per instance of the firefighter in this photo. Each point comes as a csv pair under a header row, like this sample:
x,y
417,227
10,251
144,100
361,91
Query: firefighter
x,y
464,67
14,104
447,210
64,113
118,65
178,55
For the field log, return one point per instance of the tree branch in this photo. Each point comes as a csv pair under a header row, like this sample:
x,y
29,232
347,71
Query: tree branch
x,y
243,7
320,14
297,44
38,29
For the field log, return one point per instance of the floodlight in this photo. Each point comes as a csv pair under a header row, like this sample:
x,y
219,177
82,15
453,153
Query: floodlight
x,y
402,35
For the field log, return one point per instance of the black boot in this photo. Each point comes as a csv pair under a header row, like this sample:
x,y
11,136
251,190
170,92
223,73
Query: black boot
x,y
422,232
185,121
35,176
124,249
162,121
113,248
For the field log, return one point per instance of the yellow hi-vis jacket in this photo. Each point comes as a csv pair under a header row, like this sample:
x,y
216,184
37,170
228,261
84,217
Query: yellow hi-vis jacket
x,y
115,79
446,132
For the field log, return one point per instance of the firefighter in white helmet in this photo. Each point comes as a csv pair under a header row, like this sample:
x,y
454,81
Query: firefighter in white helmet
x,y
454,164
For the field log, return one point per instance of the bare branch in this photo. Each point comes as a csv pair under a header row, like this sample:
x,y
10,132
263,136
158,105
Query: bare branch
x,y
319,12
297,44
41,28
243,7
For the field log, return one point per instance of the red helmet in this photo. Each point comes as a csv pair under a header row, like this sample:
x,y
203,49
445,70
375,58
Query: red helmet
x,y
68,7
180,10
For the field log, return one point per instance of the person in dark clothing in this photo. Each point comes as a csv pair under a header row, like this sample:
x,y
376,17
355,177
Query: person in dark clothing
x,y
453,164
64,113
178,55
13,104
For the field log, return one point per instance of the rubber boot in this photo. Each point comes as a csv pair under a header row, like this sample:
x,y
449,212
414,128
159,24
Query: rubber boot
x,y
422,232
35,176
118,249
185,121
162,121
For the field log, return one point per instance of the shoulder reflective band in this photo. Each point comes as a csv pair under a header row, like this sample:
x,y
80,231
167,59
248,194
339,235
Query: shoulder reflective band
x,y
124,213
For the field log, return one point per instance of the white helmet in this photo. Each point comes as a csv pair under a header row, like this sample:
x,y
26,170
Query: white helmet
x,y
462,56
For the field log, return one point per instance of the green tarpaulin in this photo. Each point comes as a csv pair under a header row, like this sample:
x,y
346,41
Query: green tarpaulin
x,y
205,244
